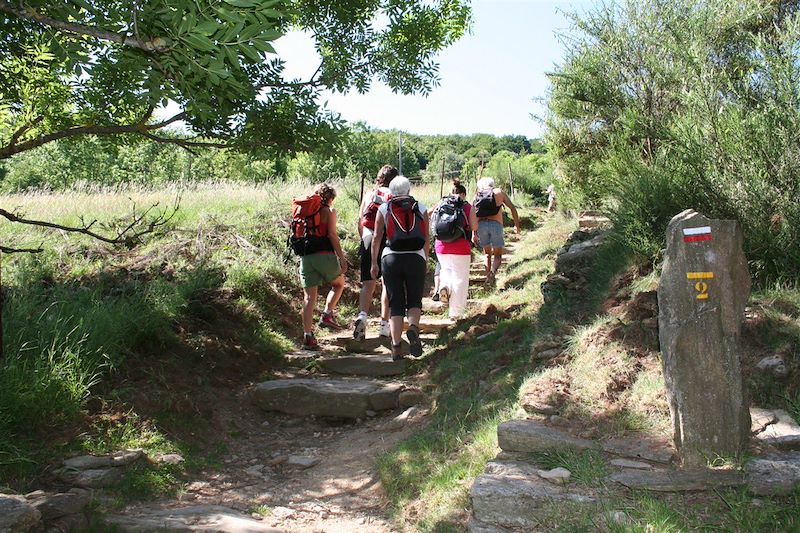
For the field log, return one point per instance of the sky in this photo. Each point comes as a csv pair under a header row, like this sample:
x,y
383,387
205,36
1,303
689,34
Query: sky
x,y
489,79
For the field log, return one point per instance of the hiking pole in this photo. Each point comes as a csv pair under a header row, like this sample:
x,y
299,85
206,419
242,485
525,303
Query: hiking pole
x,y
441,187
361,196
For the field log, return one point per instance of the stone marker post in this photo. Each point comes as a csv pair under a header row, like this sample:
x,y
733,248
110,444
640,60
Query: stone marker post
x,y
701,298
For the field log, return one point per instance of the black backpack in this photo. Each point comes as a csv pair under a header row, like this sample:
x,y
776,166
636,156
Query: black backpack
x,y
485,205
449,220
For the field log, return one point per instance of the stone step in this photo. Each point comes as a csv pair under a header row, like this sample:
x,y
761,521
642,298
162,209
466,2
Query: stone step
x,y
429,325
339,398
363,365
510,494
532,436
186,519
372,345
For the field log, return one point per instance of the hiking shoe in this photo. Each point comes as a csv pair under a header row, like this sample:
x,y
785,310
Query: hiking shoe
x,y
435,297
490,279
310,342
444,295
384,330
413,340
327,321
360,328
397,352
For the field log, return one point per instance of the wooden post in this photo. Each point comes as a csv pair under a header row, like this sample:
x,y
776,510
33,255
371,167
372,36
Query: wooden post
x,y
441,187
510,179
2,305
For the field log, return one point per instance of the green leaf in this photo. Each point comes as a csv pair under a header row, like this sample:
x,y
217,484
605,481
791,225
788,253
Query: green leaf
x,y
263,46
242,3
207,28
250,52
199,42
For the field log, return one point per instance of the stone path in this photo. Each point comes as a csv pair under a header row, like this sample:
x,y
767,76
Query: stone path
x,y
309,440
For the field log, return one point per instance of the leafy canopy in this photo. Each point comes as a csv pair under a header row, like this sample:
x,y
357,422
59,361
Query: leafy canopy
x,y
103,67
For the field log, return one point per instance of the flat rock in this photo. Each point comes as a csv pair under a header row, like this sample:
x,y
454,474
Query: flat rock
x,y
633,465
679,480
363,365
93,478
210,518
434,325
775,365
559,476
649,449
411,397
510,494
339,398
783,434
775,474
593,221
301,358
532,436
88,462
53,506
760,419
16,514
302,461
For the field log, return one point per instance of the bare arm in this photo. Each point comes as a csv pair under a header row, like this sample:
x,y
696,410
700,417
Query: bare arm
x,y
377,238
507,201
335,242
360,211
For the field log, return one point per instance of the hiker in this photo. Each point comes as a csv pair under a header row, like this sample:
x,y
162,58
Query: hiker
x,y
404,261
322,259
366,228
453,221
551,198
489,202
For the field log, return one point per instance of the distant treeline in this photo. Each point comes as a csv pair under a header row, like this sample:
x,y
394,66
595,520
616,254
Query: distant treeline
x,y
95,162
663,105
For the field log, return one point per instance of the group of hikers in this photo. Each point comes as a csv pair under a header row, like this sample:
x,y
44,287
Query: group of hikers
x,y
395,231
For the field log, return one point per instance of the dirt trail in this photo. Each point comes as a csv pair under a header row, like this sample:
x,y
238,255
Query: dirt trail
x,y
339,492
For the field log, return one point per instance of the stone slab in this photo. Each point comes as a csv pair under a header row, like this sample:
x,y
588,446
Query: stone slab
x,y
16,514
510,494
640,447
339,398
364,365
206,518
760,419
679,480
783,434
774,474
53,506
532,436
633,465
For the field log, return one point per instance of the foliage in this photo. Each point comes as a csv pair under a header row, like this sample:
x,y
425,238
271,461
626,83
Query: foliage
x,y
97,67
663,105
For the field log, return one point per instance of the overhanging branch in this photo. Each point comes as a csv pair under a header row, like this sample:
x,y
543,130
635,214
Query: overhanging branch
x,y
29,13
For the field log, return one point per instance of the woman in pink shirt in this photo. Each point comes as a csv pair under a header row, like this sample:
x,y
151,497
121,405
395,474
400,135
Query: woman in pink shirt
x,y
454,253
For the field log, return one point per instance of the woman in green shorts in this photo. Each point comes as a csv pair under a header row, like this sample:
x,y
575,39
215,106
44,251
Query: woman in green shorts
x,y
322,268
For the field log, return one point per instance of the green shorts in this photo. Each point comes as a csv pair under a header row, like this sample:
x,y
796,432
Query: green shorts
x,y
316,269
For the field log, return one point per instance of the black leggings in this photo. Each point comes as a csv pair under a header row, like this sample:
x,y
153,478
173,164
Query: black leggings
x,y
404,277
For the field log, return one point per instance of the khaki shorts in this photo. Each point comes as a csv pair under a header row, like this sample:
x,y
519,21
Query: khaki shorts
x,y
316,269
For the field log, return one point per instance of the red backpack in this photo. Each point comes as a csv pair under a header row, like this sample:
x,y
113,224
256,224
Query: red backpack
x,y
380,196
307,234
405,227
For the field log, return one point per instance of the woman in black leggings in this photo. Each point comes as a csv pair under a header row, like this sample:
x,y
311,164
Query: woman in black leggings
x,y
404,261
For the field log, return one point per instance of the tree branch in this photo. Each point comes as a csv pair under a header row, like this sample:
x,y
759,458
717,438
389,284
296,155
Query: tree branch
x,y
128,235
138,128
7,250
28,13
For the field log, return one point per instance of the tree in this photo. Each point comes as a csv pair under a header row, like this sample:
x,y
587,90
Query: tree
x,y
104,67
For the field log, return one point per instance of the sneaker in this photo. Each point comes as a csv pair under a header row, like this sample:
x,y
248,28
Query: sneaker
x,y
310,342
490,279
327,321
413,340
435,297
444,295
384,330
397,352
360,328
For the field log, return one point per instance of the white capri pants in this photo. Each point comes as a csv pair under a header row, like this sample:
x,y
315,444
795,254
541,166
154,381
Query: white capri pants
x,y
455,276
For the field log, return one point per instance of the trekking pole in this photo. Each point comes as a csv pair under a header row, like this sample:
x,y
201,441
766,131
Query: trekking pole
x,y
361,196
441,187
